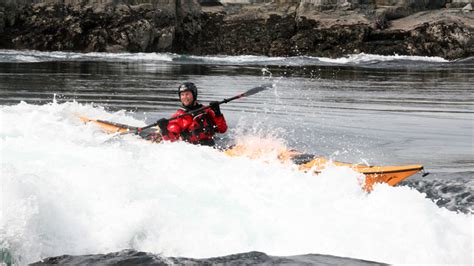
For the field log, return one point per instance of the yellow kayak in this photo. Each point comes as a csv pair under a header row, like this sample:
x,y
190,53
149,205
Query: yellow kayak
x,y
391,175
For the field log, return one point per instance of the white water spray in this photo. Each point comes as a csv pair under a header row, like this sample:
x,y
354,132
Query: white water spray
x,y
64,191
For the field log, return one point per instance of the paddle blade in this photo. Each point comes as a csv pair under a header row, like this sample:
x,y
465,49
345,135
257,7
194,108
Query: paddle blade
x,y
257,89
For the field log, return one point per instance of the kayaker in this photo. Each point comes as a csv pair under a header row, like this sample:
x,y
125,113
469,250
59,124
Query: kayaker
x,y
198,128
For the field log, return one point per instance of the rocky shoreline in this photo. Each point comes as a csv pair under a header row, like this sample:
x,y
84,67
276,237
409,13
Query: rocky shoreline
x,y
286,28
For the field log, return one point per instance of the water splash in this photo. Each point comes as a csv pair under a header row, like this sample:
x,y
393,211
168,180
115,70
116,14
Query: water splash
x,y
66,192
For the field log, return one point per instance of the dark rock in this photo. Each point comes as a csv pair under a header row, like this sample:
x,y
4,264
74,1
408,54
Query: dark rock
x,y
392,13
381,21
284,29
2,19
210,3
138,28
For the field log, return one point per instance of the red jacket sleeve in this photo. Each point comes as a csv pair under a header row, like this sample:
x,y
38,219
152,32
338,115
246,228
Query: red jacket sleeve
x,y
177,125
219,121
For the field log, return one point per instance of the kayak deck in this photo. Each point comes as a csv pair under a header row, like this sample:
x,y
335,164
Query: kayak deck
x,y
391,175
109,127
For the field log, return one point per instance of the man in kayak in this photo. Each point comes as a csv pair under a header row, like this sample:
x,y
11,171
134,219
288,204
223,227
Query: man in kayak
x,y
197,128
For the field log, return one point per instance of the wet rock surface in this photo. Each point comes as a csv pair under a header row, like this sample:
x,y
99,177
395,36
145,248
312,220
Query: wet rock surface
x,y
113,28
288,29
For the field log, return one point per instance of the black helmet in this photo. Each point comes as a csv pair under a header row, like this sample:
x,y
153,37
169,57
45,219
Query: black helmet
x,y
188,86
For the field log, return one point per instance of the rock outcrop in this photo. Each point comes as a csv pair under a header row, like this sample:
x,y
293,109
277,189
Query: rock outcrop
x,y
90,26
330,28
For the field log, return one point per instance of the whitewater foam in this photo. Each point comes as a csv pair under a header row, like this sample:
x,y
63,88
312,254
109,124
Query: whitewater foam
x,y
370,58
31,56
67,190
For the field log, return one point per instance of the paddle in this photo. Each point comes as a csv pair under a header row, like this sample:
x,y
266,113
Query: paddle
x,y
245,94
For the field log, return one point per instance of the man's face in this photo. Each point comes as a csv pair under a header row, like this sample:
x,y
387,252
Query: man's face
x,y
186,98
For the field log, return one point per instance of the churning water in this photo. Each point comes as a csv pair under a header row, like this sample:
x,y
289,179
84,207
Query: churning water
x,y
67,188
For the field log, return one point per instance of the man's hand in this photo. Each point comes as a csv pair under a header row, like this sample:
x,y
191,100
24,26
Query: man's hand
x,y
216,108
163,125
